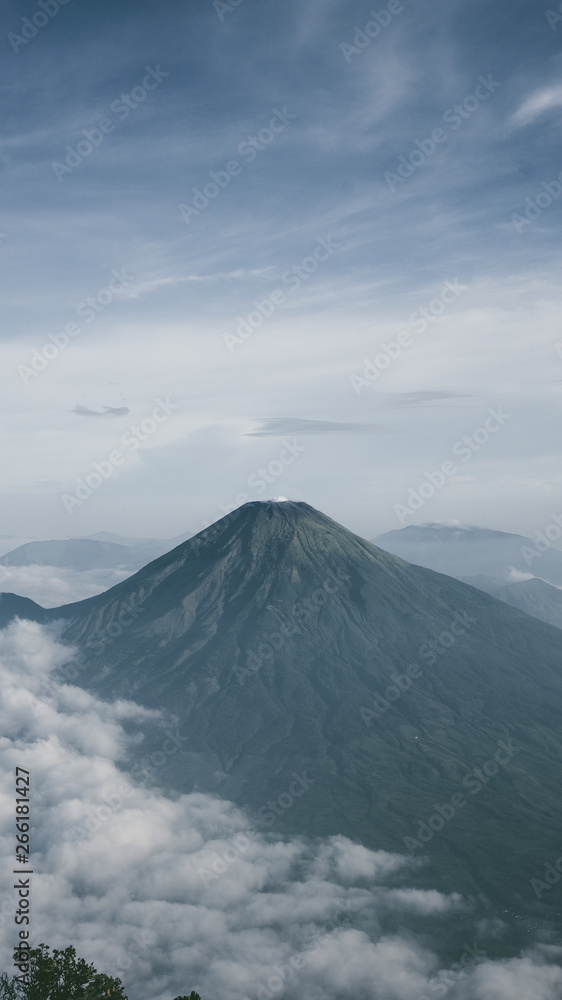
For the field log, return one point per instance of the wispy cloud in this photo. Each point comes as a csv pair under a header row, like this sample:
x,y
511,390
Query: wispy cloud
x,y
539,102
426,396
106,411
273,426
152,284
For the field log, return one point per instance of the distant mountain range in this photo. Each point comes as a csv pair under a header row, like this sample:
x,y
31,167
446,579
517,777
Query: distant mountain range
x,y
488,560
163,544
333,688
98,552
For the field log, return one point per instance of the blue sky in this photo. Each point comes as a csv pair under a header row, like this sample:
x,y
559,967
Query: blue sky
x,y
294,117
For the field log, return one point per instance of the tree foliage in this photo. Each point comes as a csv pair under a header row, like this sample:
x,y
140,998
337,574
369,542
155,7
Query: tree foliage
x,y
9,989
60,976
63,976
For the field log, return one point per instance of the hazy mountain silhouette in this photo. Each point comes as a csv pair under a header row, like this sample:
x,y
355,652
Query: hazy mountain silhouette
x,y
83,554
488,560
469,552
535,597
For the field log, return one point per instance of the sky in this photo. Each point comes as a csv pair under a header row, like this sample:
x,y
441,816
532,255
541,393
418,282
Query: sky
x,y
175,894
320,250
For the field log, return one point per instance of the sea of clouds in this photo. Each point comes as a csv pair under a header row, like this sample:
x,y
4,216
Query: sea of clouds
x,y
54,586
179,893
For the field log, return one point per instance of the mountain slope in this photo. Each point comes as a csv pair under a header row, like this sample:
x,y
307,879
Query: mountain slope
x,y
287,646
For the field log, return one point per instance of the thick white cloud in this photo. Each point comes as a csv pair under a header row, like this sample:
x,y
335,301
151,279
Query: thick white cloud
x,y
180,894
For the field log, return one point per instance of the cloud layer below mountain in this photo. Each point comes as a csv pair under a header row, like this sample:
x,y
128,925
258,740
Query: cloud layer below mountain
x,y
53,586
181,894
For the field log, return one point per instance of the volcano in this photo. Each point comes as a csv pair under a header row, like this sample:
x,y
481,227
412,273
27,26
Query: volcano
x,y
332,688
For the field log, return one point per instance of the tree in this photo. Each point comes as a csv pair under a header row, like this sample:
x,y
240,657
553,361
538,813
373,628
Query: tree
x,y
9,989
60,976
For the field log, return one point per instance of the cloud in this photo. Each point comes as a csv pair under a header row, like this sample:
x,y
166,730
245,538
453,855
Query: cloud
x,y
279,426
541,101
518,576
426,396
106,411
53,586
179,894
151,284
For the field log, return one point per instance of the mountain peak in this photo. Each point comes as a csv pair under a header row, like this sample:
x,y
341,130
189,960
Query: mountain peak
x,y
278,504
264,518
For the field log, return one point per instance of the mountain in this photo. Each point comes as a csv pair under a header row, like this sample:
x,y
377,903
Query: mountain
x,y
9,542
469,552
102,551
332,688
159,545
12,606
110,536
488,560
81,554
535,597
